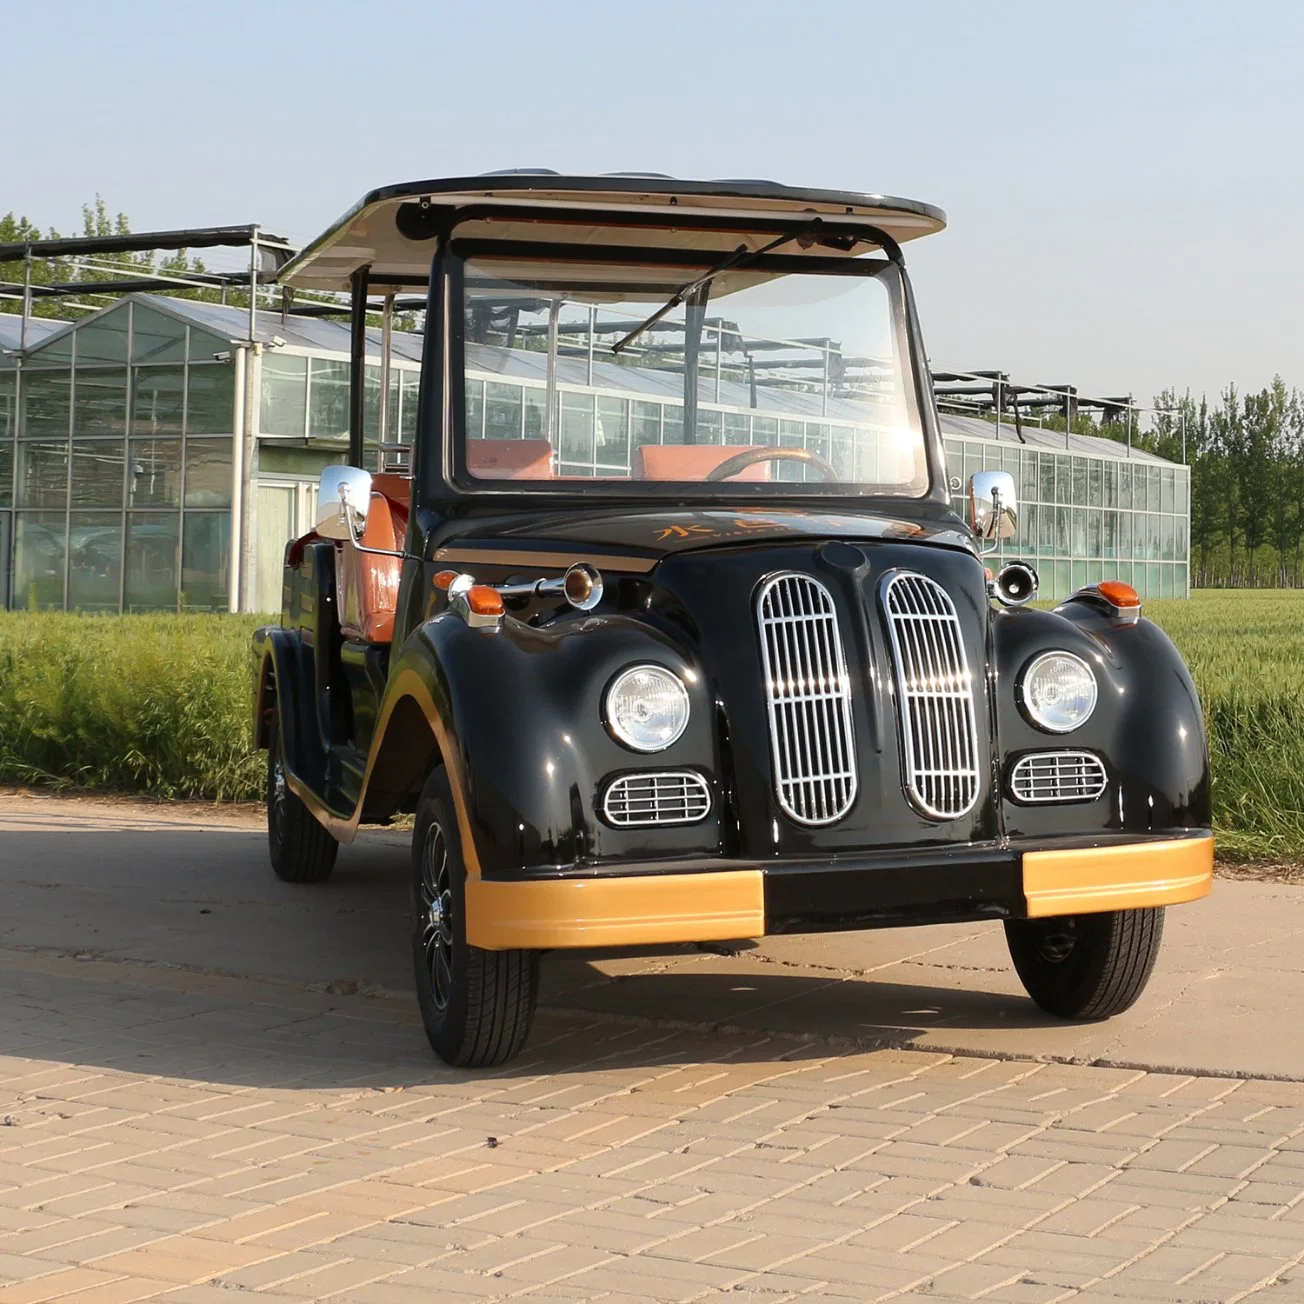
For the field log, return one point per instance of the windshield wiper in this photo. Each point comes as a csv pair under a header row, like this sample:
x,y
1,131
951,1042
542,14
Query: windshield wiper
x,y
741,257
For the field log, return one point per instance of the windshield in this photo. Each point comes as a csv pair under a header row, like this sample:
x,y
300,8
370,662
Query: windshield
x,y
791,373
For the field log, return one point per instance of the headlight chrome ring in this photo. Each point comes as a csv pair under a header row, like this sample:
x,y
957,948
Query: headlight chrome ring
x,y
646,708
1058,692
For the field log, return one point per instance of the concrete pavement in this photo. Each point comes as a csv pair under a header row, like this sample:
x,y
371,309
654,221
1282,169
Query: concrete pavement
x,y
192,887
213,1082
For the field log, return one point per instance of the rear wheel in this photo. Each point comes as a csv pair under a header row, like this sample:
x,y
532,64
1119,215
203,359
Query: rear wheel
x,y
476,1005
1086,966
301,849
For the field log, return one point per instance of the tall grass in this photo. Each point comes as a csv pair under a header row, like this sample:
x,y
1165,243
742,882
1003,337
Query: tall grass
x,y
160,705
1245,649
150,704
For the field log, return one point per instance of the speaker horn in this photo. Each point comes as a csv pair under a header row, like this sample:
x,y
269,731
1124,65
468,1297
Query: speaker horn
x,y
1015,584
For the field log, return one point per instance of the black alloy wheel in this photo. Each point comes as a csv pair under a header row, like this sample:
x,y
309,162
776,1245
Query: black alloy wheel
x,y
477,1006
1086,966
301,849
436,908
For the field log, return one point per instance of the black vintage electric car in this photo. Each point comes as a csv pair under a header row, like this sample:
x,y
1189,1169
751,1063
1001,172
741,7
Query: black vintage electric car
x,y
664,626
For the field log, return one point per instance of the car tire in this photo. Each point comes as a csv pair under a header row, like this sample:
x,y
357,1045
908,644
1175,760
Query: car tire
x,y
476,1005
301,850
1086,966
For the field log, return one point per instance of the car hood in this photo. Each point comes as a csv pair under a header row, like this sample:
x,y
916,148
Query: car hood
x,y
641,538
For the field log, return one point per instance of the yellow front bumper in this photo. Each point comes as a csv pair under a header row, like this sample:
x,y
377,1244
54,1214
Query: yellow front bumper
x,y
1094,879
636,910
724,905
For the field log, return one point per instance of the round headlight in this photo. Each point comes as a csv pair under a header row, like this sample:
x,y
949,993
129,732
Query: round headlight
x,y
647,708
1059,691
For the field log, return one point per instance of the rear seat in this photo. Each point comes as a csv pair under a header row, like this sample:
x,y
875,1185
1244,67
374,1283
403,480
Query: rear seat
x,y
366,585
509,459
692,462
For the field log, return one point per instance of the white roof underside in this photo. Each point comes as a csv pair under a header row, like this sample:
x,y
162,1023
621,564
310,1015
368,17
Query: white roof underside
x,y
568,210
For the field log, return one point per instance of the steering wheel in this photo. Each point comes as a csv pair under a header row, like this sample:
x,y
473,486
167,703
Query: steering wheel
x,y
751,456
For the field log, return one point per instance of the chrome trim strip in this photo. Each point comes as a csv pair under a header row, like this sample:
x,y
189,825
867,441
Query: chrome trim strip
x,y
939,735
657,797
1061,776
808,697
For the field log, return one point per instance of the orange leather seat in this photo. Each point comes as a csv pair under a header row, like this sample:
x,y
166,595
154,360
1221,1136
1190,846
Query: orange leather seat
x,y
397,488
367,585
509,459
692,462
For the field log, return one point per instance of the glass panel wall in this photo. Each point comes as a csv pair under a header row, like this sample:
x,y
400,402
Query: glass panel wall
x,y
1116,519
1090,516
94,561
116,463
40,553
109,459
304,398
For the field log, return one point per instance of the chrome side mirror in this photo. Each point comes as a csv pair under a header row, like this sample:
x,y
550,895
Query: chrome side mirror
x,y
993,505
343,499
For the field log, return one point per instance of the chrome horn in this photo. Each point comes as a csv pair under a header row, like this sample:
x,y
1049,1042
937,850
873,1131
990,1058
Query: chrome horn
x,y
581,586
1015,583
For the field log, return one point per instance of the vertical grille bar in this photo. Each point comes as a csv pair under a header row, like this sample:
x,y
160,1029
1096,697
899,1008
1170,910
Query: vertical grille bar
x,y
935,696
808,694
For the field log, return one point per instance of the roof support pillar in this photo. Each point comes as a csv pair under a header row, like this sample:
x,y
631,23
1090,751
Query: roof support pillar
x,y
357,363
550,383
27,298
386,344
253,285
249,507
694,319
236,539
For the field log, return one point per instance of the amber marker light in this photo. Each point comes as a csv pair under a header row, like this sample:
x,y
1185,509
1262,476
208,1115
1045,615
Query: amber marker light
x,y
478,604
1120,600
1118,594
482,600
444,578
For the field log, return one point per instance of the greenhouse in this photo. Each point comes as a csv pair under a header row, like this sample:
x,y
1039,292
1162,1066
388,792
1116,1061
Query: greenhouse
x,y
158,454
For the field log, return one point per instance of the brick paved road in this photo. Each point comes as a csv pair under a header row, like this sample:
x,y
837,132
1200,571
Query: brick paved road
x,y
180,1134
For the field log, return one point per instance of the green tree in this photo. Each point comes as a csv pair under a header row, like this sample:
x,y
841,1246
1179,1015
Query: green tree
x,y
1264,417
96,220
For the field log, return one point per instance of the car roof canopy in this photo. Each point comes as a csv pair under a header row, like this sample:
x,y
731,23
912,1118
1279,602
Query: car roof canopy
x,y
391,232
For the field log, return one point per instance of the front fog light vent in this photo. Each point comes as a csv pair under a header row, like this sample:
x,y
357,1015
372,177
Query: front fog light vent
x,y
1057,776
667,797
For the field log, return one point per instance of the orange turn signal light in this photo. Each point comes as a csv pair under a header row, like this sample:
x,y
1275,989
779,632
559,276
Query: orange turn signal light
x,y
1118,594
482,600
444,578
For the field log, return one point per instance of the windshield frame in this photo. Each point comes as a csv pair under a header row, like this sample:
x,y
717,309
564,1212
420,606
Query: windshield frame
x,y
442,425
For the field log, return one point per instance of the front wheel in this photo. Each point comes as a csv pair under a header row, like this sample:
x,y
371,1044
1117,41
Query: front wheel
x,y
1086,966
476,1005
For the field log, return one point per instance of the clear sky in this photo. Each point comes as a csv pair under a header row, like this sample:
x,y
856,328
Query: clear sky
x,y
1123,180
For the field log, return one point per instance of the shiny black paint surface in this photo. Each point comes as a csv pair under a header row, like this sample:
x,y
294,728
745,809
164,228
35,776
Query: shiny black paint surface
x,y
530,696
1147,726
521,708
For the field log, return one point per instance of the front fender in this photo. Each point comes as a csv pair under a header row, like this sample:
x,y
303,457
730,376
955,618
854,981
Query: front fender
x,y
284,687
1147,726
520,724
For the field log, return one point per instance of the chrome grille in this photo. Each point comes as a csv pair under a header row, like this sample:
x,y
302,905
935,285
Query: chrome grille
x,y
809,699
939,735
1057,776
667,797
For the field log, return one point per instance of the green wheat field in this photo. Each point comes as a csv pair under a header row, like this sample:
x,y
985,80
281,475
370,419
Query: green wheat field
x,y
159,705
